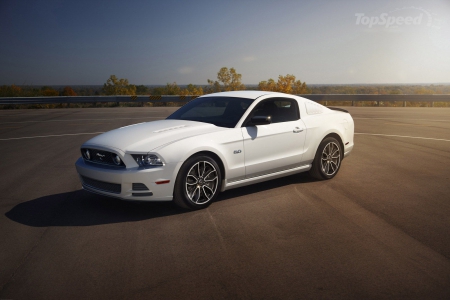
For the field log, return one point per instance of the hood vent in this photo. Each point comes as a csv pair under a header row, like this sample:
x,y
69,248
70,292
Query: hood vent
x,y
169,128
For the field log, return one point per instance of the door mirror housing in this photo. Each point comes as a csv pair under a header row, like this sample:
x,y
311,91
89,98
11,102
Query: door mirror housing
x,y
261,120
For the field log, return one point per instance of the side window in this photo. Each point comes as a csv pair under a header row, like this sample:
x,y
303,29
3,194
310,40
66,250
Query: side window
x,y
280,109
287,110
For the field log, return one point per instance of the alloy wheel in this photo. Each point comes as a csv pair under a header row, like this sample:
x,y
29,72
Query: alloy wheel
x,y
201,182
331,159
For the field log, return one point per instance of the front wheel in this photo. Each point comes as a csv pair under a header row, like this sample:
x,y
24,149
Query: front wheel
x,y
327,161
198,183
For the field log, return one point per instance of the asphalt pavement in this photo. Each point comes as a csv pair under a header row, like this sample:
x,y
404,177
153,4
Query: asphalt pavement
x,y
379,230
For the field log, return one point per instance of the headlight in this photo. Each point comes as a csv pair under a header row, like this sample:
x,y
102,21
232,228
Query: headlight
x,y
86,154
147,160
116,159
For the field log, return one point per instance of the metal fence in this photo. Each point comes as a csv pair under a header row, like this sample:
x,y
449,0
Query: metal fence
x,y
324,98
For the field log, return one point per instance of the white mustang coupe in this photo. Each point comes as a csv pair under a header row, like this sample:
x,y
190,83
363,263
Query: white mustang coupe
x,y
214,143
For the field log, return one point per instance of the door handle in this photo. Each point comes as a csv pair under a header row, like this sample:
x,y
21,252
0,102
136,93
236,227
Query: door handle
x,y
297,130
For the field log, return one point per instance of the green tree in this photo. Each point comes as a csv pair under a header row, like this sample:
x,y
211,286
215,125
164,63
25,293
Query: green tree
x,y
227,80
169,89
142,90
115,86
214,86
172,89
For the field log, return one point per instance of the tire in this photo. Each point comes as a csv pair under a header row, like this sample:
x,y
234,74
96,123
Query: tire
x,y
328,159
198,183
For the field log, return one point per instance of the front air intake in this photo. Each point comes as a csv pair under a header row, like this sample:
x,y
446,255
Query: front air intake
x,y
139,187
101,185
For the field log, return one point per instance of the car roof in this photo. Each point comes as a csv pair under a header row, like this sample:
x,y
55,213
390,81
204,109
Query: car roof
x,y
241,94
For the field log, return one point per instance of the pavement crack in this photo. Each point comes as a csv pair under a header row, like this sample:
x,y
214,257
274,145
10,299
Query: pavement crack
x,y
23,261
222,241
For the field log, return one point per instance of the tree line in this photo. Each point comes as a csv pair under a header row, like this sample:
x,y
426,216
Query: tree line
x,y
227,80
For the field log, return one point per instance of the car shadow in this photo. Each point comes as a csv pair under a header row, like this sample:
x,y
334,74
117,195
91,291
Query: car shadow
x,y
266,185
80,208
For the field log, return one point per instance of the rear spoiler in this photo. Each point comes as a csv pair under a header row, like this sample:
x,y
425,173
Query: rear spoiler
x,y
338,109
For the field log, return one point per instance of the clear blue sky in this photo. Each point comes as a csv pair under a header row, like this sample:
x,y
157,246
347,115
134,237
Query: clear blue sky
x,y
156,42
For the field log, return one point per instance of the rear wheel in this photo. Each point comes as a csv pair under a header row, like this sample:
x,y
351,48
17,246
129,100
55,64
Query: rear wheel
x,y
198,183
327,161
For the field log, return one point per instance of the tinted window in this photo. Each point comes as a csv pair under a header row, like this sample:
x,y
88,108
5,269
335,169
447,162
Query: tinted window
x,y
280,109
220,111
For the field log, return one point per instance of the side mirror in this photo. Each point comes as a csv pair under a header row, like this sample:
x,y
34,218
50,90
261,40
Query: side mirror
x,y
261,120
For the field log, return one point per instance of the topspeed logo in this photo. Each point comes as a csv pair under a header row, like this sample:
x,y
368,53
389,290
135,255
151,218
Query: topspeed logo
x,y
387,20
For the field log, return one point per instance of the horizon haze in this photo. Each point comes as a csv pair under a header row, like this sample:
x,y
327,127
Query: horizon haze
x,y
158,42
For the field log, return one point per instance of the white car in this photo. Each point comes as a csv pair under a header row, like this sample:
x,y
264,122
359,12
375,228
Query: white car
x,y
215,143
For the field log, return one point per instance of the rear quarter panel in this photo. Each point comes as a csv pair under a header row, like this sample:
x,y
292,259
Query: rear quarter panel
x,y
320,125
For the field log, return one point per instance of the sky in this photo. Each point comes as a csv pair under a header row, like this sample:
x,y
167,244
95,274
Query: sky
x,y
157,42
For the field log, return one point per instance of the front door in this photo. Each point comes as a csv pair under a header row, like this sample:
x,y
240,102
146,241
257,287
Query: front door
x,y
277,146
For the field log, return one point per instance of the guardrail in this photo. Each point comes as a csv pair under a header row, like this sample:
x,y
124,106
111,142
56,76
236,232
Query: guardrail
x,y
169,98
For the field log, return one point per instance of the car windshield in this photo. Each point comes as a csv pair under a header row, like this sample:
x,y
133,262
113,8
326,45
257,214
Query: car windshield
x,y
220,111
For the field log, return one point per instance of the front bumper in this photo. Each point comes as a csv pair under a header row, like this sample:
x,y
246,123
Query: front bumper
x,y
348,149
118,183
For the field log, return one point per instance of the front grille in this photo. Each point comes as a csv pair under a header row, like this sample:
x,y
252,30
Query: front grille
x,y
101,185
139,187
101,157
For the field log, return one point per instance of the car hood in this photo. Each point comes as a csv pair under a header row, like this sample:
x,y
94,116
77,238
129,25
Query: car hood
x,y
144,137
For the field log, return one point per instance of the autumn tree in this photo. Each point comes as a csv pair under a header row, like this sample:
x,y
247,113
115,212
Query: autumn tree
x,y
48,91
423,91
285,84
116,86
300,88
269,85
68,91
227,80
192,90
10,91
172,89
